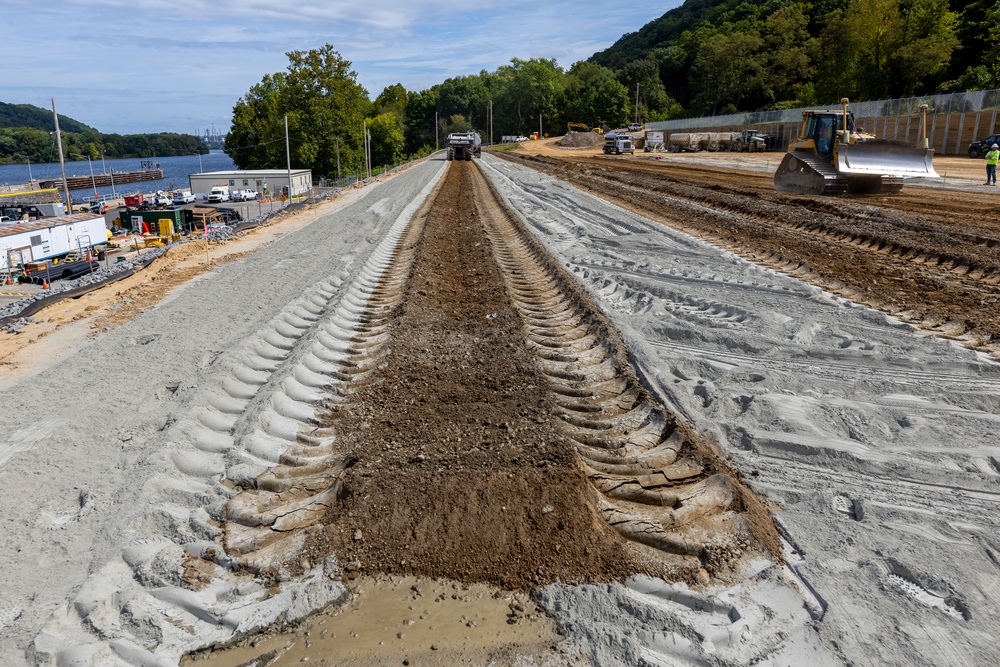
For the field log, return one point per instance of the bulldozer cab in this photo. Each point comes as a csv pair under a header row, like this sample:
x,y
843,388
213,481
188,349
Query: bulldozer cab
x,y
822,128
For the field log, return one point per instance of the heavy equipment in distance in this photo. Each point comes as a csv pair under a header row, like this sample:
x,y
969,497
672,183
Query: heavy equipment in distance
x,y
831,156
463,145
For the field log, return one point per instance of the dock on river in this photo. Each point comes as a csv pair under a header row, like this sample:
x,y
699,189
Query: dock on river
x,y
102,180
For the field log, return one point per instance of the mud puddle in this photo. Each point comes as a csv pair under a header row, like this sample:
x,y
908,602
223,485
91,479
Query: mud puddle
x,y
407,620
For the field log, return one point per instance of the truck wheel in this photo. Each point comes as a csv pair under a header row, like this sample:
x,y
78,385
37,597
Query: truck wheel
x,y
973,152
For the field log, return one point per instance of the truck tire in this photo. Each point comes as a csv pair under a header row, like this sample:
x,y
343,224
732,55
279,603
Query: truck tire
x,y
973,152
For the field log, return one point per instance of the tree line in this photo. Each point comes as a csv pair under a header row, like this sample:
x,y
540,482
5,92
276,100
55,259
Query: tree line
x,y
327,109
706,57
20,143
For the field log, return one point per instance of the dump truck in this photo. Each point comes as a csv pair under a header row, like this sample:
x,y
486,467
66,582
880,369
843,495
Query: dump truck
x,y
616,143
463,145
830,156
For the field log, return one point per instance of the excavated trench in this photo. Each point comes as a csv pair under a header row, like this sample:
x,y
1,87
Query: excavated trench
x,y
485,425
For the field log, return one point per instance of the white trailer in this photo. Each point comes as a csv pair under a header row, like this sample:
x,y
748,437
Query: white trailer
x,y
703,141
653,141
49,237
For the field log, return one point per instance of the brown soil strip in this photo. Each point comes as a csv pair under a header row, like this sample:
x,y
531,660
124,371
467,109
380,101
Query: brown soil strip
x,y
461,472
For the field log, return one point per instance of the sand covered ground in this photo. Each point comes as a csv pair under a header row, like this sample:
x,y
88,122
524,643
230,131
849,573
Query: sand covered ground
x,y
256,442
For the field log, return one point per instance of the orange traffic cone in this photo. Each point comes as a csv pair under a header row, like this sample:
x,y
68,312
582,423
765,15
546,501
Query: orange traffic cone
x,y
8,281
45,284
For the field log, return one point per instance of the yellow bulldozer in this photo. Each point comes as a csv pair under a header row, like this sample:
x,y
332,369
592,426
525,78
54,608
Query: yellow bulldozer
x,y
831,156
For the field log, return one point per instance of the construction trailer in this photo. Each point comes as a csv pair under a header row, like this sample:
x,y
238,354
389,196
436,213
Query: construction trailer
x,y
48,238
269,183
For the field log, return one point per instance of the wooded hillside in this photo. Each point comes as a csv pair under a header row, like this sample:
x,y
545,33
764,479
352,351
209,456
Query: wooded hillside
x,y
721,56
36,118
27,130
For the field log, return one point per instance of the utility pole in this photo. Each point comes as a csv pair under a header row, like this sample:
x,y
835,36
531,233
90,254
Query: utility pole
x,y
637,102
436,144
540,135
62,164
337,145
288,159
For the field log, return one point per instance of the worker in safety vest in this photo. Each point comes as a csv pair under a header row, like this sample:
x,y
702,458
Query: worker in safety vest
x,y
991,165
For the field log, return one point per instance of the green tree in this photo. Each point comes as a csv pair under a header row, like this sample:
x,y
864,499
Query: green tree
x,y
419,128
926,42
455,123
466,96
789,54
387,138
593,95
724,71
875,49
325,106
641,79
393,98
527,89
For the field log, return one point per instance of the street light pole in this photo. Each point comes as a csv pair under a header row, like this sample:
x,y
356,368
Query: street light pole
x,y
28,158
92,181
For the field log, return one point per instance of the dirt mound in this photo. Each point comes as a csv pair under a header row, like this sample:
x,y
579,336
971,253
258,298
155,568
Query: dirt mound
x,y
580,140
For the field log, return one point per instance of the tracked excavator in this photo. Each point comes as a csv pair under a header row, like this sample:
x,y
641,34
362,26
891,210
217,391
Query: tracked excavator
x,y
830,157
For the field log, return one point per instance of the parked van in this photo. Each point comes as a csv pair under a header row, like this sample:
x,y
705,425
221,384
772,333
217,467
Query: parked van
x,y
219,193
183,197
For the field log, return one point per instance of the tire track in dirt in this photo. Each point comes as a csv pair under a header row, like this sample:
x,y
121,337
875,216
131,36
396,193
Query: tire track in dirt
x,y
505,438
245,474
924,269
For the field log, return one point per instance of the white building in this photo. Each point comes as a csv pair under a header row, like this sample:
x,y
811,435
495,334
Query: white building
x,y
275,180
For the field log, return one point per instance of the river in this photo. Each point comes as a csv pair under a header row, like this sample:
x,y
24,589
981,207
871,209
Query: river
x,y
175,172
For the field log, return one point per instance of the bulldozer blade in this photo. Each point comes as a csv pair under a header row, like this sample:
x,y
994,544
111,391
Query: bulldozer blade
x,y
804,173
885,158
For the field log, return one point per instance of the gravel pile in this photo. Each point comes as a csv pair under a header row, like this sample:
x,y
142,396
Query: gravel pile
x,y
580,140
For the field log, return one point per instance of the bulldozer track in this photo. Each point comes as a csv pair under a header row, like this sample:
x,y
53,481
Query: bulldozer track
x,y
816,239
654,481
255,471
964,257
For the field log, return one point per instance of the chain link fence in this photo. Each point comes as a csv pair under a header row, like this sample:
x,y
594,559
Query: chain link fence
x,y
953,120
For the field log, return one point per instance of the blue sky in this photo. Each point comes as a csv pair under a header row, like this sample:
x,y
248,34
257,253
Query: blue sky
x,y
132,66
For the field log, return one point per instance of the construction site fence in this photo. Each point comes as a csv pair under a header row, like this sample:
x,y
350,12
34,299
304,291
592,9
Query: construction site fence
x,y
953,120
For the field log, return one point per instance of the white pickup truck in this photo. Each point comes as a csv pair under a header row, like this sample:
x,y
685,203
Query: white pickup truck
x,y
243,195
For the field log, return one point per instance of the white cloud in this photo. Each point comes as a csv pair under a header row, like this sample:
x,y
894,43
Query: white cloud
x,y
154,65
